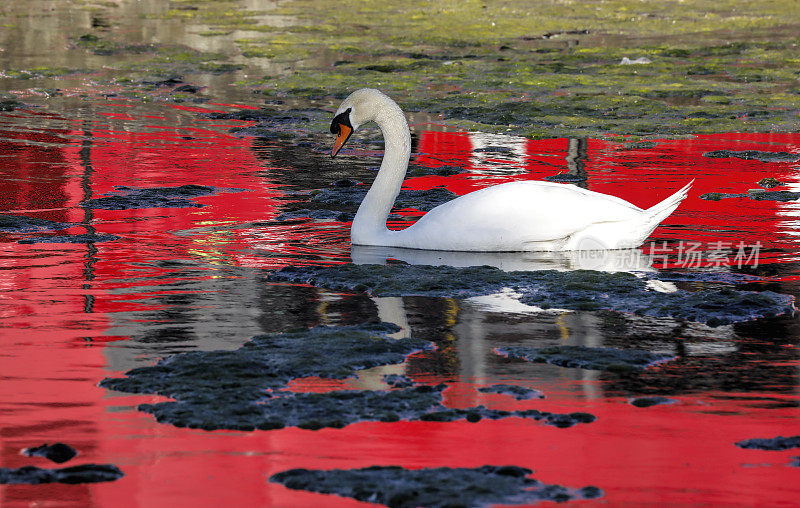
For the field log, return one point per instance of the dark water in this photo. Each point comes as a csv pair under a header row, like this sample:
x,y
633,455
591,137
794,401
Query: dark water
x,y
189,278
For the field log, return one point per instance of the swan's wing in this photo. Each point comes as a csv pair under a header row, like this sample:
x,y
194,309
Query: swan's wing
x,y
525,211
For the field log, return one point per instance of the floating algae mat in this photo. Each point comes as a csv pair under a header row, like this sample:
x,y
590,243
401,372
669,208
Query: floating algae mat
x,y
86,473
583,357
773,443
575,290
88,238
154,197
758,196
57,452
21,224
438,487
243,389
757,155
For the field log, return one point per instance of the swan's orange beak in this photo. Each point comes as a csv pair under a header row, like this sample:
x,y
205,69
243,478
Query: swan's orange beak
x,y
341,138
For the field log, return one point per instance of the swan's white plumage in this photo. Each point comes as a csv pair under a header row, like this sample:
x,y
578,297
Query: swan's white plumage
x,y
515,216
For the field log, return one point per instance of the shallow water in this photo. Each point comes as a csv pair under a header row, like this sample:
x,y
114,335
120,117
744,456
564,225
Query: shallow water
x,y
180,279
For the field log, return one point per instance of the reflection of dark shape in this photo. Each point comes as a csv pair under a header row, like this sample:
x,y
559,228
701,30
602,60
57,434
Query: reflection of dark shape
x,y
86,473
518,392
582,357
88,238
154,197
775,443
308,169
795,462
651,401
22,224
241,389
493,149
577,154
758,195
58,452
754,155
398,381
578,290
433,488
762,364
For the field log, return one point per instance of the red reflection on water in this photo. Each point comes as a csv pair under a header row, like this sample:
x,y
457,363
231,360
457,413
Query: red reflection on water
x,y
58,302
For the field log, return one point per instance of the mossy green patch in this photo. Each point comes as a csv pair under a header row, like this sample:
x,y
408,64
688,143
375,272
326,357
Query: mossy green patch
x,y
39,72
530,67
545,70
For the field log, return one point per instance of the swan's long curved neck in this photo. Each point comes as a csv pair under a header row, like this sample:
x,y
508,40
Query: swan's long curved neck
x,y
369,224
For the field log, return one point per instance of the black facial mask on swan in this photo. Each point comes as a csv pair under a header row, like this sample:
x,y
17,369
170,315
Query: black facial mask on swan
x,y
342,127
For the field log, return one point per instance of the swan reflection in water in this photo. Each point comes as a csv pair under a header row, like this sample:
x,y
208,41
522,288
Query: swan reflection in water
x,y
622,260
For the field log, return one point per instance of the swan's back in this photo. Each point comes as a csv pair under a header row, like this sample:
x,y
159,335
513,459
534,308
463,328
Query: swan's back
x,y
519,216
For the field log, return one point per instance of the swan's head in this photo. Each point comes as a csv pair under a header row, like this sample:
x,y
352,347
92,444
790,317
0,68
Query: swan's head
x,y
358,108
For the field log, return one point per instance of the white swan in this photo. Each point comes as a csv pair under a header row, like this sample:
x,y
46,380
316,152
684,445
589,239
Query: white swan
x,y
510,217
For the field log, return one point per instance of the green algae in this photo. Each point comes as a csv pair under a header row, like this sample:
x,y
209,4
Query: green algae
x,y
40,72
518,65
534,68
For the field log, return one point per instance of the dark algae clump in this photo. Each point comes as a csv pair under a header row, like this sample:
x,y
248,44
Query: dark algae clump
x,y
433,488
57,452
244,389
270,362
86,473
153,197
21,224
87,238
754,155
758,195
583,357
651,401
774,443
576,290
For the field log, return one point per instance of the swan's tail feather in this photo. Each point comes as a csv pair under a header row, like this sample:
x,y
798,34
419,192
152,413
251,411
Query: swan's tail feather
x,y
671,203
660,211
